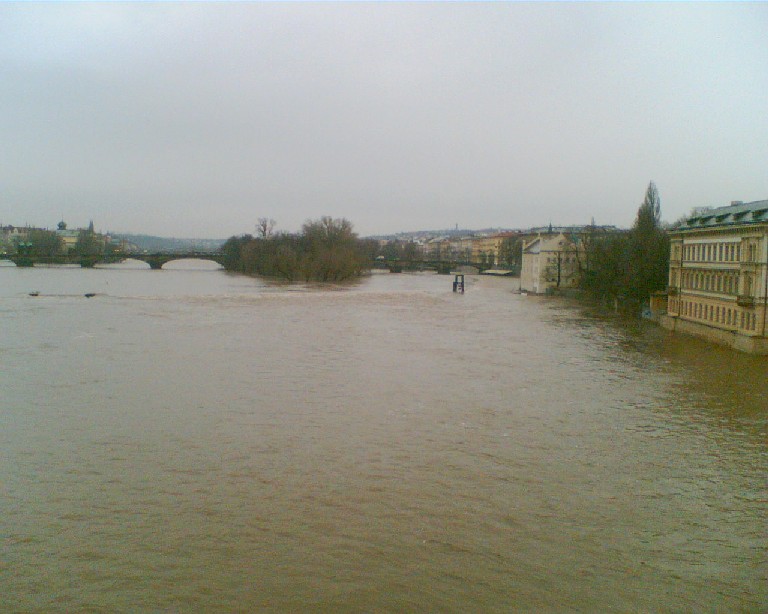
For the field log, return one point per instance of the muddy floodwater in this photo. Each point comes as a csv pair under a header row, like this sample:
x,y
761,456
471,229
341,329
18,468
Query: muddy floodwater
x,y
191,440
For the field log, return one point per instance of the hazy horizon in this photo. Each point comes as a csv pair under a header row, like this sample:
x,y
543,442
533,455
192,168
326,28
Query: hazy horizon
x,y
194,120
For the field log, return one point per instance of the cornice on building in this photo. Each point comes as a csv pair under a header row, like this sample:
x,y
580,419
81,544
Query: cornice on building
x,y
735,215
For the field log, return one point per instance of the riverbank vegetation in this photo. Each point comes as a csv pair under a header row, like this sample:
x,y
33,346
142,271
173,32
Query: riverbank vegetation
x,y
624,268
325,250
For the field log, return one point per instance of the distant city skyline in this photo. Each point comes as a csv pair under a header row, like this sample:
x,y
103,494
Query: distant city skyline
x,y
195,119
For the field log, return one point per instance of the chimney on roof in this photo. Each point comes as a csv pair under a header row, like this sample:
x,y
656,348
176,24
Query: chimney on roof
x,y
736,202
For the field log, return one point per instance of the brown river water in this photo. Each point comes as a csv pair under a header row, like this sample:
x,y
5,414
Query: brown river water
x,y
191,440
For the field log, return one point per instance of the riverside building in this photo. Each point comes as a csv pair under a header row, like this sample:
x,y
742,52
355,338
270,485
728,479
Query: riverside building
x,y
553,257
550,262
718,286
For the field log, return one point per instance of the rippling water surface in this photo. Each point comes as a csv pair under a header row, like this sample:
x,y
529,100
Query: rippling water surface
x,y
193,440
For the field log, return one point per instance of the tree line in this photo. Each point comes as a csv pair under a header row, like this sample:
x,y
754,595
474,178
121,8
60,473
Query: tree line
x,y
625,268
326,249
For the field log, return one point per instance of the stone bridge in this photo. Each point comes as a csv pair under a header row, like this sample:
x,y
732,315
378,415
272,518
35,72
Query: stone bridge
x,y
158,259
441,266
155,260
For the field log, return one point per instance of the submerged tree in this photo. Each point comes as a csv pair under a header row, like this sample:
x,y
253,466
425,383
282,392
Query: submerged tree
x,y
326,250
333,251
232,250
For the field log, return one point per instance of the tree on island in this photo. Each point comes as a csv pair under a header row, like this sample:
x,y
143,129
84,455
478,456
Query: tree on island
x,y
331,249
325,250
264,227
232,250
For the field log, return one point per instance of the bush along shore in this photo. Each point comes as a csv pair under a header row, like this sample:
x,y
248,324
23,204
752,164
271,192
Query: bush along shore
x,y
325,250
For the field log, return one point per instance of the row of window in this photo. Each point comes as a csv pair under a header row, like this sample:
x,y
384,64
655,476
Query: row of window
x,y
716,314
564,281
726,282
712,252
718,252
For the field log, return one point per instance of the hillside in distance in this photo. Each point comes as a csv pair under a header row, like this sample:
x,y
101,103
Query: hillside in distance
x,y
448,232
149,243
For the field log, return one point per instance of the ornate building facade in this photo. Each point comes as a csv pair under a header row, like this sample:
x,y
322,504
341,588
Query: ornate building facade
x,y
718,281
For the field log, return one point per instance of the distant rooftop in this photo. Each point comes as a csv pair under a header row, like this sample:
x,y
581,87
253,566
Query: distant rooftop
x,y
568,229
735,213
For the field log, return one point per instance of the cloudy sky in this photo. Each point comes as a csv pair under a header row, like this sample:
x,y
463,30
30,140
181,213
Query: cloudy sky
x,y
194,120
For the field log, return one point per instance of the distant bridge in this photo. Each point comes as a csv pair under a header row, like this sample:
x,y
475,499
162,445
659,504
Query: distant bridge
x,y
155,260
158,259
441,266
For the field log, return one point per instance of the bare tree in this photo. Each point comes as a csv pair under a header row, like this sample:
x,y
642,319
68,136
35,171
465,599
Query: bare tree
x,y
265,227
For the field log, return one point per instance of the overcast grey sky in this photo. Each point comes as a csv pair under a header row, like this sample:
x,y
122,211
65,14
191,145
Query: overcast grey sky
x,y
196,119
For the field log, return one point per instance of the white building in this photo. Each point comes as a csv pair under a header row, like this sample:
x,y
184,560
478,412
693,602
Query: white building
x,y
551,261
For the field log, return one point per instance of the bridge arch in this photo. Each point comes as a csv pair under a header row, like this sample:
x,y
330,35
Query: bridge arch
x,y
201,259
159,260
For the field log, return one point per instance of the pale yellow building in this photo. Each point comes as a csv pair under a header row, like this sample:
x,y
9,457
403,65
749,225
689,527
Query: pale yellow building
x,y
486,249
718,286
476,249
442,248
68,238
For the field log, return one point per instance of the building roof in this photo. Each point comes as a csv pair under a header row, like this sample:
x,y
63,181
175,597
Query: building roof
x,y
735,213
550,243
